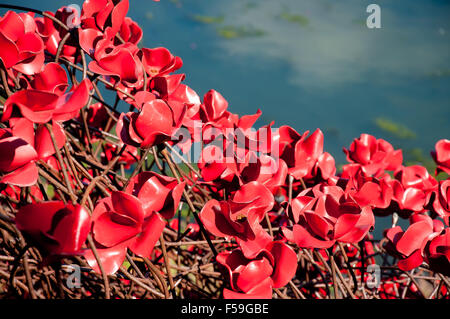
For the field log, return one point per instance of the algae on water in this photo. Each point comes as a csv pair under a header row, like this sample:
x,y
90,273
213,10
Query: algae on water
x,y
396,129
299,19
207,19
233,32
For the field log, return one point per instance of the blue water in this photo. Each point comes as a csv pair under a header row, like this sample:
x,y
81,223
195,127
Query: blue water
x,y
313,63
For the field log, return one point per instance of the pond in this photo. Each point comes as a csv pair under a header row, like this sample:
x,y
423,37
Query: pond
x,y
314,63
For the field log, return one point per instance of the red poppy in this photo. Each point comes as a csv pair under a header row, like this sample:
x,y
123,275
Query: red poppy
x,y
104,14
412,189
120,222
214,106
215,165
441,156
157,193
409,245
186,96
119,63
323,215
441,202
22,48
264,169
61,229
213,111
130,31
438,253
53,79
240,217
272,267
287,139
154,124
367,190
374,155
309,157
40,138
52,34
42,106
17,160
159,61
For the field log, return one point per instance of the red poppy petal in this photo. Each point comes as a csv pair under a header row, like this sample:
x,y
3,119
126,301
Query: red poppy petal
x,y
128,205
365,222
214,220
156,116
285,263
319,225
413,261
215,104
261,291
123,129
29,45
53,78
148,187
72,230
253,273
252,247
258,195
43,141
413,237
304,239
118,14
247,121
327,165
172,202
27,175
151,231
35,219
344,224
110,229
23,128
88,39
111,258
9,53
12,26
231,259
394,234
443,152
37,106
70,103
156,59
91,7
16,152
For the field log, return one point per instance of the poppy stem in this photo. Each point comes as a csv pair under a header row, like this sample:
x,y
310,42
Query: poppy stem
x,y
167,263
5,81
344,254
159,279
140,283
61,46
138,166
100,266
61,163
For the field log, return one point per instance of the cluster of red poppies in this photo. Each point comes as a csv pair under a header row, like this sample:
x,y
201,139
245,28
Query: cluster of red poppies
x,y
273,191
